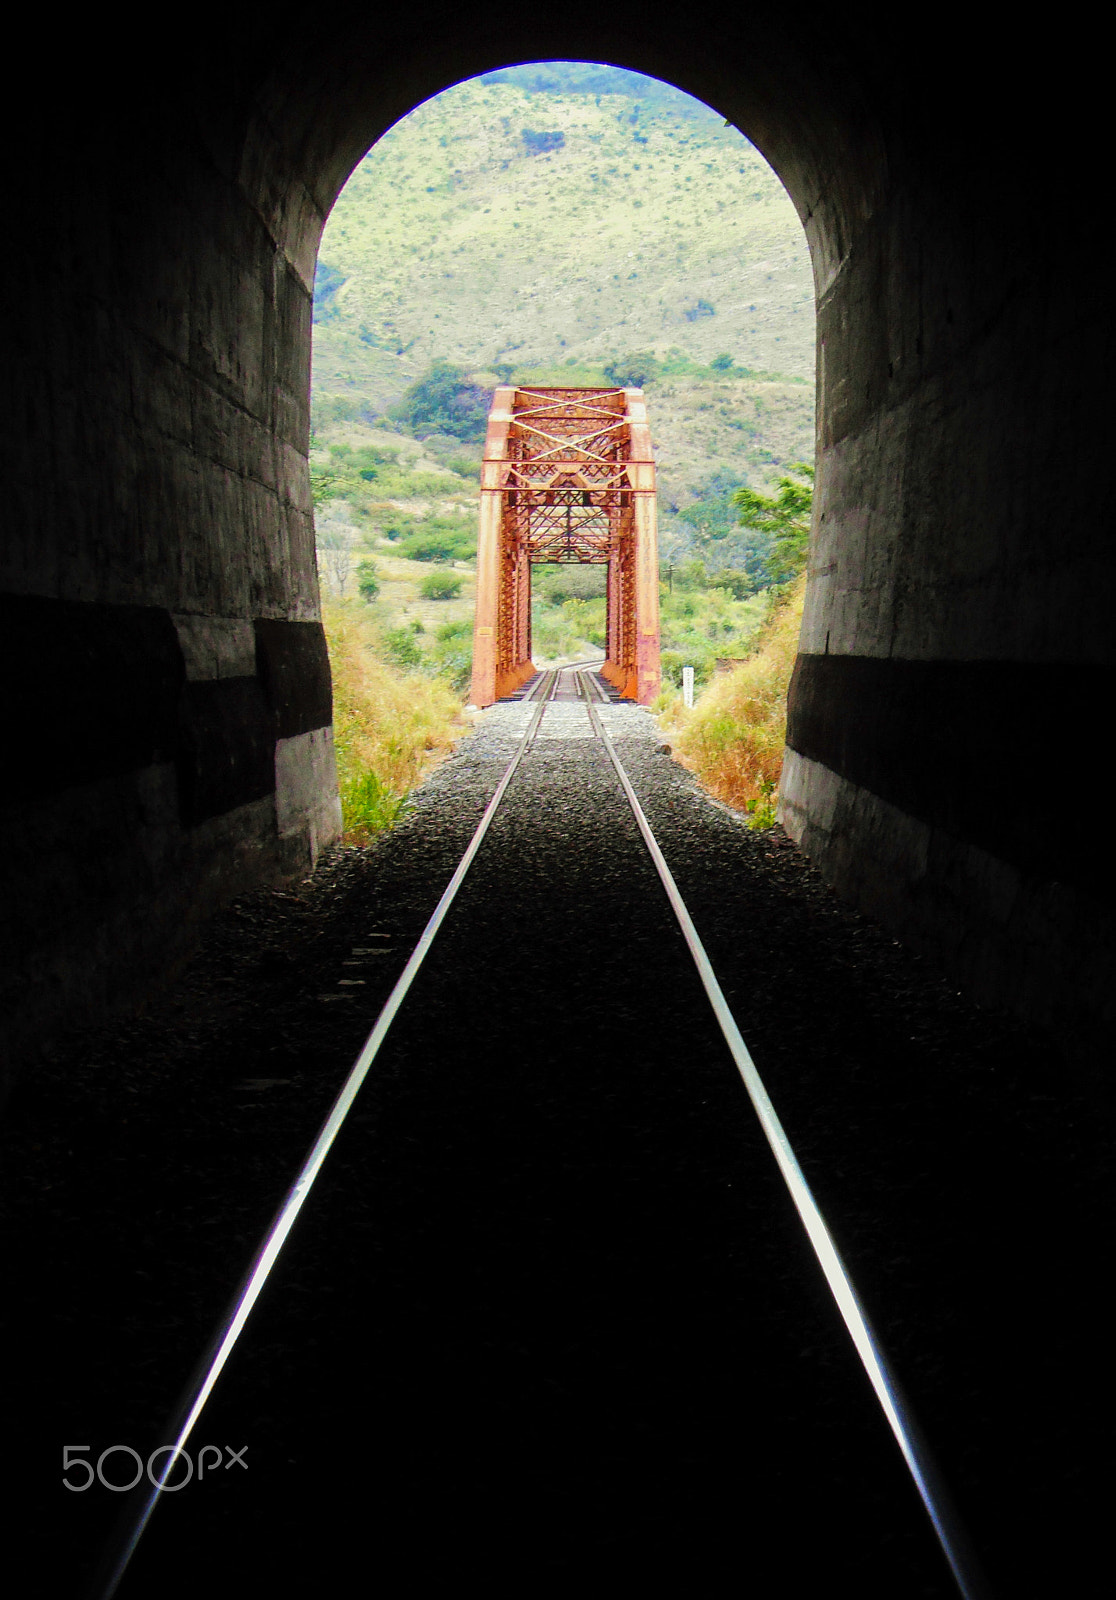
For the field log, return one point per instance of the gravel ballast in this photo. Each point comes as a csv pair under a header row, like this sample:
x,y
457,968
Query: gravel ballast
x,y
549,1315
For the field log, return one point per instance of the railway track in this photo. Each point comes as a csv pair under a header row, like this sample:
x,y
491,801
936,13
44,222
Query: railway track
x,y
577,691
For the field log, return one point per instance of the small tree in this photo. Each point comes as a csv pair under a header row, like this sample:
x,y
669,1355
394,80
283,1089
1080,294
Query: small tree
x,y
784,517
444,401
335,550
440,586
368,585
635,371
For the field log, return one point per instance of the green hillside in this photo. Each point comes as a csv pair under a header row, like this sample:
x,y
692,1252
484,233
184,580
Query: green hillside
x,y
546,221
559,223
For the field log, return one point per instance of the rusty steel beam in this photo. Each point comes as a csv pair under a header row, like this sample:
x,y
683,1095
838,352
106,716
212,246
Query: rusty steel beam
x,y
568,476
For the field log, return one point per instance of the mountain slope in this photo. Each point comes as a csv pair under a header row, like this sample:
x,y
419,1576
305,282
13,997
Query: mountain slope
x,y
544,222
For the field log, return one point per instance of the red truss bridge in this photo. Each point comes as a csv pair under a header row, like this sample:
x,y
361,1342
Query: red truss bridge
x,y
568,475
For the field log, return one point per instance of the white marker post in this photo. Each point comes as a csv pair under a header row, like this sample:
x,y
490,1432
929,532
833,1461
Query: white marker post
x,y
688,687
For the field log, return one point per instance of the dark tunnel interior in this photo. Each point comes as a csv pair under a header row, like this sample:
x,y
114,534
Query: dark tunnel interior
x,y
166,673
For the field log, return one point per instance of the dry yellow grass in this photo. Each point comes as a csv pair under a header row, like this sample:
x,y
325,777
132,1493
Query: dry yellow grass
x,y
733,738
389,727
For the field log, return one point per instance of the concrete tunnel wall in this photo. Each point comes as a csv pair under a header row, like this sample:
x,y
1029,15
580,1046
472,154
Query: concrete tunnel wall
x,y
165,668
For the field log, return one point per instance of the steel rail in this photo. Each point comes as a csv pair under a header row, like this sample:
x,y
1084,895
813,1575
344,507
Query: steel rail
x,y
137,1514
948,1529
946,1525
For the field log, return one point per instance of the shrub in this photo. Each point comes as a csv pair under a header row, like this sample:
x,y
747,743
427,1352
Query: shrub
x,y
440,586
671,663
444,401
453,653
574,581
733,738
402,649
438,546
387,727
635,371
538,143
439,542
368,584
369,806
691,575
739,584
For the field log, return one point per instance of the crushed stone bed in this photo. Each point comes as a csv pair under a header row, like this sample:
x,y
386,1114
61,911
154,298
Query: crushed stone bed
x,y
552,1171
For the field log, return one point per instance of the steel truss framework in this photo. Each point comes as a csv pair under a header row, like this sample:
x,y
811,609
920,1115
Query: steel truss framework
x,y
568,476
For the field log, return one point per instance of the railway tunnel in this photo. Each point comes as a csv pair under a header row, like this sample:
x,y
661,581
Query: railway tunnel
x,y
165,671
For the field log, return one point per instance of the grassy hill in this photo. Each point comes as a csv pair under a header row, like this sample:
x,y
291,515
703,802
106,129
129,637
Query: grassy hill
x,y
542,222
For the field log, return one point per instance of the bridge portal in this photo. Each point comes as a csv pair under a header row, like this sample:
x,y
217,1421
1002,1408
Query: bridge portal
x,y
568,476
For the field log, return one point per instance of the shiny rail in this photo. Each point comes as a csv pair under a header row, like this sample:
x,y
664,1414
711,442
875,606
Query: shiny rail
x,y
947,1527
136,1516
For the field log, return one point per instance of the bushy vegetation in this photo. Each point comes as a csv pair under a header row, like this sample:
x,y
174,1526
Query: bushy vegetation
x,y
703,618
783,520
733,738
702,622
444,401
435,538
441,585
388,726
368,584
569,581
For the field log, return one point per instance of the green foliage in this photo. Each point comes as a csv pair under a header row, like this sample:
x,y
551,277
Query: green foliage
x,y
401,648
332,408
740,584
784,517
327,483
441,585
539,143
711,514
671,663
691,575
368,584
570,581
634,371
399,525
762,811
439,539
369,806
327,281
722,363
358,460
453,654
444,401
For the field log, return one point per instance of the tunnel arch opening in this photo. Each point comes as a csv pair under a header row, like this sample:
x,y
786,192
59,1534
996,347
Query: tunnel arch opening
x,y
493,217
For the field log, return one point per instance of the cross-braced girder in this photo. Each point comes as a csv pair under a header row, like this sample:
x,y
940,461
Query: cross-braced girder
x,y
568,476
